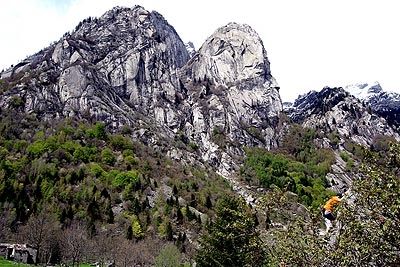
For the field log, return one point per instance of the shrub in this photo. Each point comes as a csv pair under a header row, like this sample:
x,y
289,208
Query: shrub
x,y
107,156
125,178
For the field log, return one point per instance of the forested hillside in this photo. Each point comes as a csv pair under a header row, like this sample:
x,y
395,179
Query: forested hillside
x,y
69,173
82,194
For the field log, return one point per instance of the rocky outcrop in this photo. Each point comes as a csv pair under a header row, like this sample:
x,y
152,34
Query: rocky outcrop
x,y
339,117
108,67
335,109
232,55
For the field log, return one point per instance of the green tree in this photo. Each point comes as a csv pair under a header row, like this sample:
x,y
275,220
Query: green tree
x,y
36,149
97,170
81,154
137,228
371,220
107,156
169,232
108,211
232,240
99,130
208,202
128,178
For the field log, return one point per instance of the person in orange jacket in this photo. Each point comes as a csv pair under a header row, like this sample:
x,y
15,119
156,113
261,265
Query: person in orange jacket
x,y
327,210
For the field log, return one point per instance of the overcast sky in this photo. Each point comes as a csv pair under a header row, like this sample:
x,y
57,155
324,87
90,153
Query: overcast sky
x,y
310,43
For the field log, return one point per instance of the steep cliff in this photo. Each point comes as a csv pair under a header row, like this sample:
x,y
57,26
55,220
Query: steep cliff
x,y
233,97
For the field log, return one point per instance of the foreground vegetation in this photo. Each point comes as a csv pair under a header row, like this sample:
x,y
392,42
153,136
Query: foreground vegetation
x,y
6,263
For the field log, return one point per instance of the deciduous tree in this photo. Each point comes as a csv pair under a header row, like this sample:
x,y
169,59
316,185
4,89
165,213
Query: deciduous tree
x,y
169,256
41,232
371,218
74,242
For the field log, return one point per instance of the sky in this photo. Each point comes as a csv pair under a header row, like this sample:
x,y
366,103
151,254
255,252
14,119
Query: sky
x,y
310,43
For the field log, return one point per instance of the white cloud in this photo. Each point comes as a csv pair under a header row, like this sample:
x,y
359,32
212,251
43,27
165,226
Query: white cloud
x,y
310,43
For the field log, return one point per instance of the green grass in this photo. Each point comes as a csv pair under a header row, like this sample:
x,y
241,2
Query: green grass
x,y
7,263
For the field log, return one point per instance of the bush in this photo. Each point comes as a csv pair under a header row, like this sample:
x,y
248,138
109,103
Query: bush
x,y
169,256
107,157
129,177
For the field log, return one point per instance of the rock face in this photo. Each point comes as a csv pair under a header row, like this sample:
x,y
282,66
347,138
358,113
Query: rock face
x,y
233,55
233,95
126,60
130,67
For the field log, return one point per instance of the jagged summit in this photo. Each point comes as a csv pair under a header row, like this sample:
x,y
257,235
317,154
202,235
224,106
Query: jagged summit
x,y
104,67
335,108
232,54
364,90
314,102
384,103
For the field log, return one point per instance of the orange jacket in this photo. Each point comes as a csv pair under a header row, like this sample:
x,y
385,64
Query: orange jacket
x,y
331,202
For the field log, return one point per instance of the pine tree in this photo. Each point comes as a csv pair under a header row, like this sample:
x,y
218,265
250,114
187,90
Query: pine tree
x,y
169,232
232,240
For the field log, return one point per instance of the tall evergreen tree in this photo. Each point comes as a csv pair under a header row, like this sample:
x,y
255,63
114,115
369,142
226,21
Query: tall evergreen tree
x,y
232,240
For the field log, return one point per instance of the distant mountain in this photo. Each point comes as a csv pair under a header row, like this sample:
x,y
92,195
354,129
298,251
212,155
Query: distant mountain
x,y
364,91
386,104
335,107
